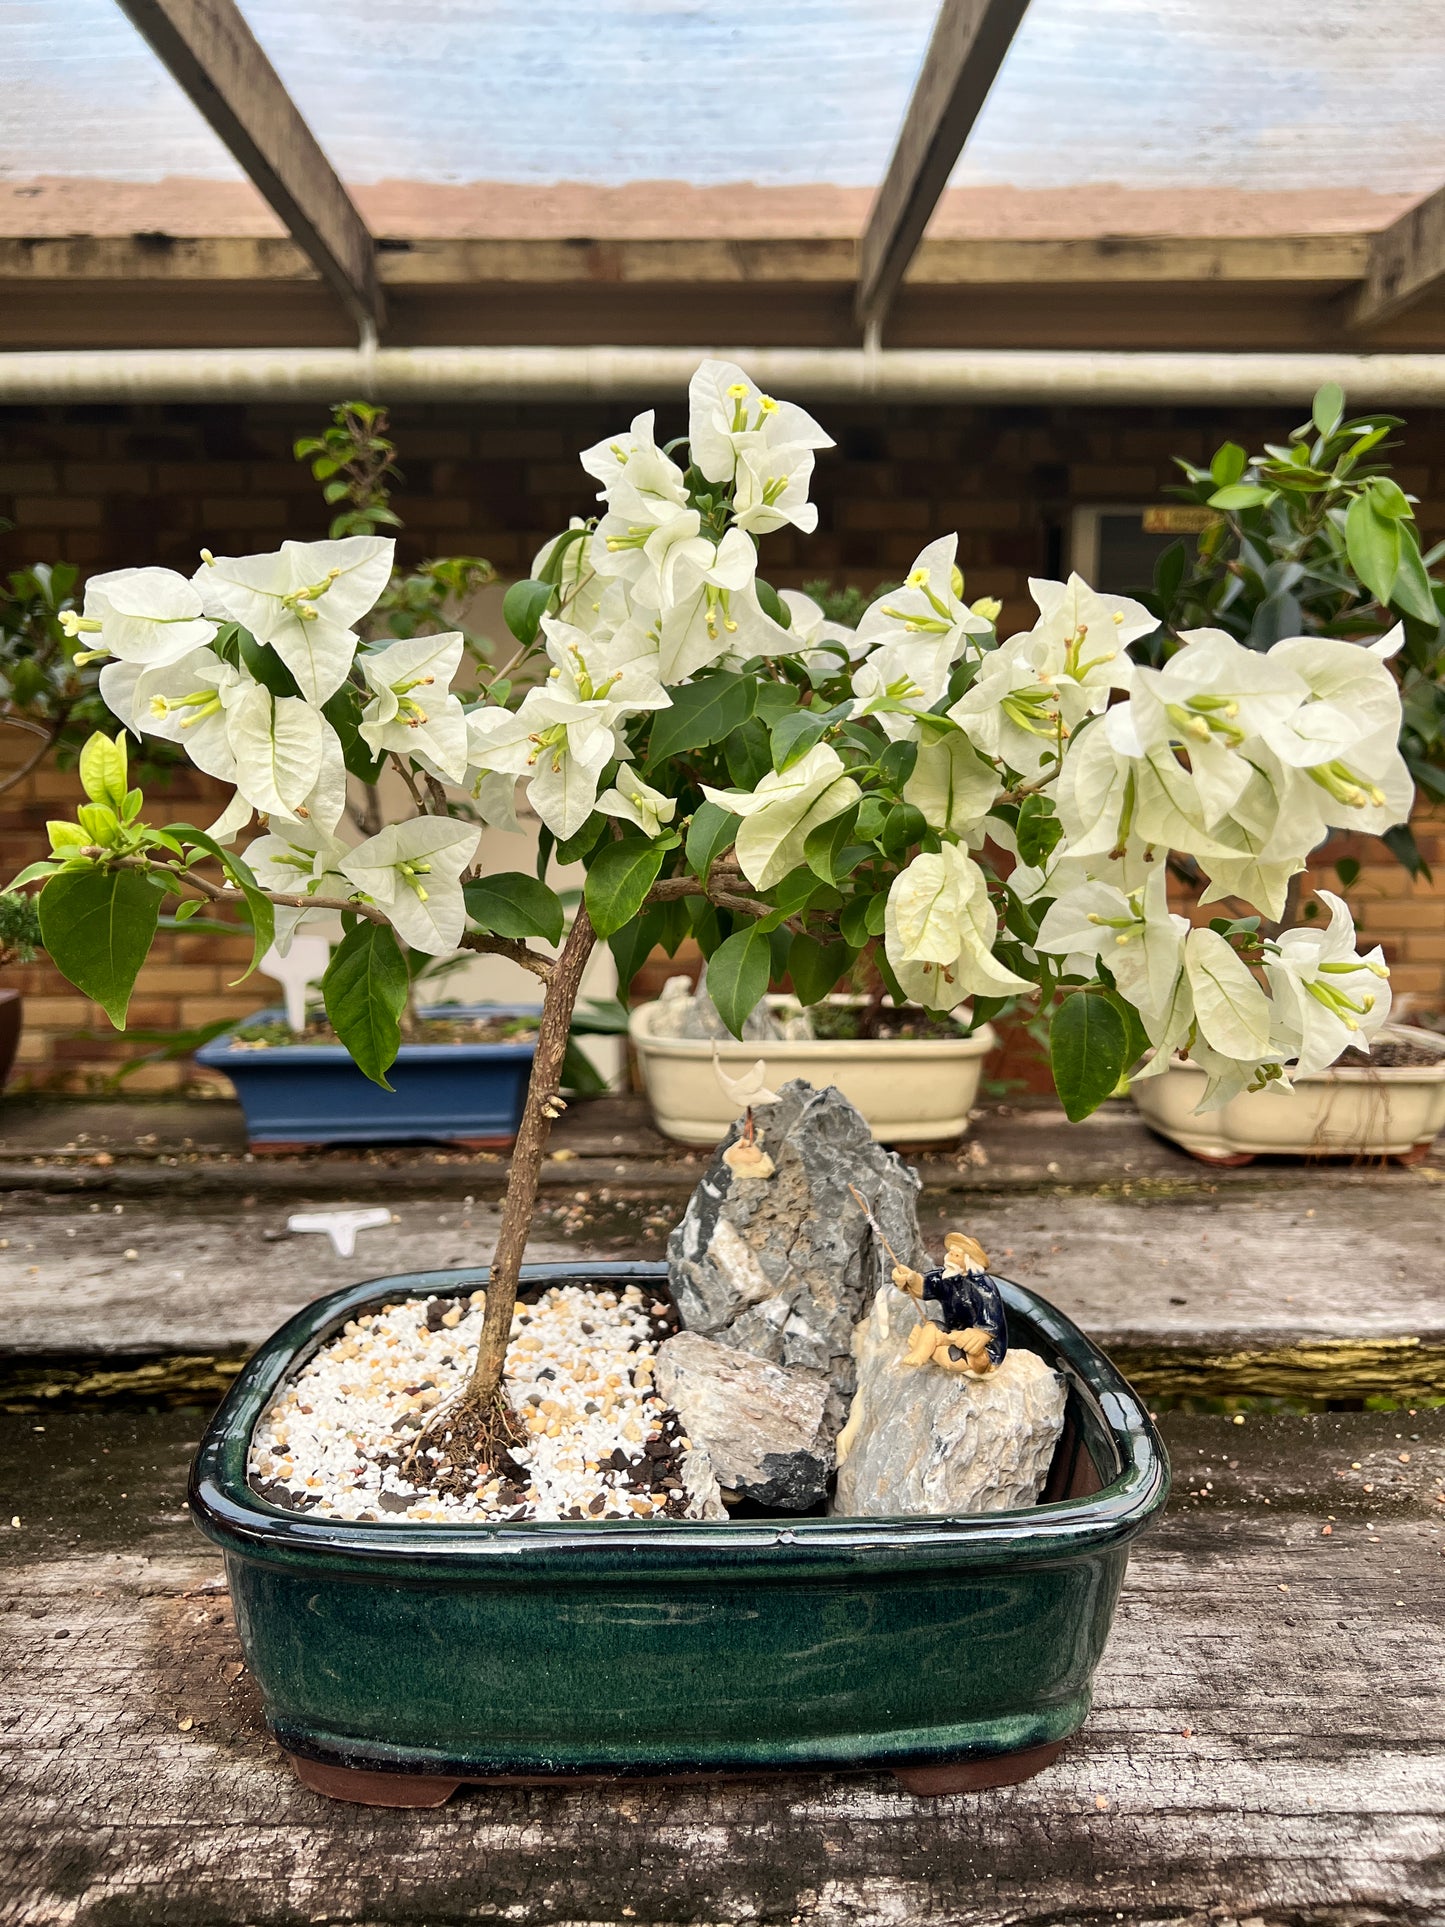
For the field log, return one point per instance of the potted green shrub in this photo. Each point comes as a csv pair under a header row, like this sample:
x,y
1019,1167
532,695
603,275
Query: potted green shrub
x,y
1314,558
989,819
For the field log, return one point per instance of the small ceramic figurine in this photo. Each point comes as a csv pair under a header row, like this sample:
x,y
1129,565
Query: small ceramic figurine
x,y
974,1323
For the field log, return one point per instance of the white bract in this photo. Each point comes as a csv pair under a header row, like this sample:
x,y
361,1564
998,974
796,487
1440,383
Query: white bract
x,y
303,601
414,870
145,616
940,932
1327,997
785,806
412,710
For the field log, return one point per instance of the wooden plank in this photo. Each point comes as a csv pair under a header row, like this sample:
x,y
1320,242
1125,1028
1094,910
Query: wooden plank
x,y
217,60
970,39
1406,264
1321,261
1215,1294
1264,1740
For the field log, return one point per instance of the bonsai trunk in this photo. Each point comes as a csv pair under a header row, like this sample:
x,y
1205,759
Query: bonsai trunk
x,y
484,1392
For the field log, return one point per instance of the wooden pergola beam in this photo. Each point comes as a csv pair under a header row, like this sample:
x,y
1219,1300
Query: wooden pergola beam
x,y
970,39
212,53
1407,261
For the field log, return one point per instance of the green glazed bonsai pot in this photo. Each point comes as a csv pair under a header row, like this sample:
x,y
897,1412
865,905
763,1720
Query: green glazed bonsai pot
x,y
398,1659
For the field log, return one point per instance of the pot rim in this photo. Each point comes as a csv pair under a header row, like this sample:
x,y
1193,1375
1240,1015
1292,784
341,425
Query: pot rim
x,y
222,1053
533,1551
975,1043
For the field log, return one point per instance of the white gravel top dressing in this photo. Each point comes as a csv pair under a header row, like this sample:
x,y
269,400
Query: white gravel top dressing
x,y
599,1442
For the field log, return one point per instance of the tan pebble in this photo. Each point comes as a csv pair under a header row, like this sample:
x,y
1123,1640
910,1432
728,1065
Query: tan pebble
x,y
451,1319
477,1299
639,1504
554,1430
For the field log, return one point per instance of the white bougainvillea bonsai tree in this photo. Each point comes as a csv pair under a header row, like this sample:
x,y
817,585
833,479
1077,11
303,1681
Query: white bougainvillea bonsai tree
x,y
988,819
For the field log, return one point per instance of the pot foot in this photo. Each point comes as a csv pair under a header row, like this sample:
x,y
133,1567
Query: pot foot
x,y
1225,1160
483,1143
976,1776
1417,1153
366,1789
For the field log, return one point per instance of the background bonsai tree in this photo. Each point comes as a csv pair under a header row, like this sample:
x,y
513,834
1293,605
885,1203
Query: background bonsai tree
x,y
1315,537
987,819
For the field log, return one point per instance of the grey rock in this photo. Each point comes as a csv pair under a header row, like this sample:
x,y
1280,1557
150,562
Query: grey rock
x,y
764,1428
683,1012
785,1266
923,1440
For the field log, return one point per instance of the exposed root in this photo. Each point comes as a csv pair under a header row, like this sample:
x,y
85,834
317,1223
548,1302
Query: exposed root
x,y
472,1436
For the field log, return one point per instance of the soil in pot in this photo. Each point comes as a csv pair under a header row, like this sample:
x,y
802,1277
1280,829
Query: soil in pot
x,y
360,1432
276,1034
853,1023
1392,1055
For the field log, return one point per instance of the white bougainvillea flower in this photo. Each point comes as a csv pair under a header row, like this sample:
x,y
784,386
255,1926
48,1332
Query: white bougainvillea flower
x,y
616,672
144,616
560,743
288,757
1090,626
298,859
901,680
1209,699
785,806
413,871
494,793
940,929
1351,696
712,610
729,416
823,647
640,483
951,783
645,554
637,802
1327,996
412,711
303,600
1230,1009
929,606
1228,1077
771,489
182,702
1136,935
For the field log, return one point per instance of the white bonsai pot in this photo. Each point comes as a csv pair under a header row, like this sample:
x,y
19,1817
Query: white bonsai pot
x,y
910,1090
1383,1111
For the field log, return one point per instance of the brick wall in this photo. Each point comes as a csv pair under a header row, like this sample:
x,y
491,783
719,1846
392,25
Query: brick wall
x,y
105,486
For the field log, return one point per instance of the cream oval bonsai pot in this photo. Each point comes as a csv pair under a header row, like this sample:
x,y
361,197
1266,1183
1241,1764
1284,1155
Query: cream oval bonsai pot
x,y
1384,1109
911,1090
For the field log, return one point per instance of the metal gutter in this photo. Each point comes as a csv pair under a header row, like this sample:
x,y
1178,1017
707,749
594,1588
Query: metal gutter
x,y
1082,376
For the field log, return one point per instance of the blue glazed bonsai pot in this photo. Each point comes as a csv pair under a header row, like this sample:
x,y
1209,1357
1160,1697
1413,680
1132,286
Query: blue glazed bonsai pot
x,y
398,1659
296,1095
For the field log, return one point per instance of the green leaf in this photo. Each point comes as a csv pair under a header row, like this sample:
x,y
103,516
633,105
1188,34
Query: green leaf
x,y
794,734
1136,1038
824,848
523,607
1240,495
904,824
703,712
1387,498
748,754
774,699
737,975
1348,871
620,876
815,967
1228,464
632,945
343,712
772,603
266,666
1328,407
712,830
1400,842
552,568
1039,829
853,922
1411,593
1372,543
365,989
263,913
97,926
896,763
102,771
512,904
1087,1045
